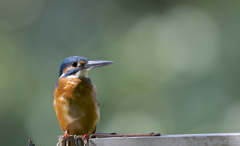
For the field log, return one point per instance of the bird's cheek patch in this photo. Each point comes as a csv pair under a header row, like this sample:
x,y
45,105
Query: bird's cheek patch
x,y
67,69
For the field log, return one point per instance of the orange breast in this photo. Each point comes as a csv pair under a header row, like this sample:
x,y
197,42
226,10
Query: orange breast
x,y
76,105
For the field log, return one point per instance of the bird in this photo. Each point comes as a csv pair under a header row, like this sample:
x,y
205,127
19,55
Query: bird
x,y
75,101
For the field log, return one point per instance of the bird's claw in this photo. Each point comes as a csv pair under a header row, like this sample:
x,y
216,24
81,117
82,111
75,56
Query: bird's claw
x,y
66,134
85,136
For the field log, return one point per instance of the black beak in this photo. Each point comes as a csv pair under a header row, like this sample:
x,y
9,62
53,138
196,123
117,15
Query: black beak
x,y
96,63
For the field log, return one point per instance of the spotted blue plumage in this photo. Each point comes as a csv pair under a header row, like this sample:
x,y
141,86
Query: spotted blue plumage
x,y
69,61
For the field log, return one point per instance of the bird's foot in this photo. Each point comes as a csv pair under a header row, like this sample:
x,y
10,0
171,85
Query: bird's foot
x,y
66,134
85,136
85,139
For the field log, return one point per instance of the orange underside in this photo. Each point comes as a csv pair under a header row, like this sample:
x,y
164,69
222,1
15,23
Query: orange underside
x,y
76,106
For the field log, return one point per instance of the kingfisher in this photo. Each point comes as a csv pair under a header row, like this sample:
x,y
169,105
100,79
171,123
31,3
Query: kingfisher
x,y
75,100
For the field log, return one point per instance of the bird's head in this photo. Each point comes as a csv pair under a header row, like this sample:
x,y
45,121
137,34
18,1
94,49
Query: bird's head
x,y
77,66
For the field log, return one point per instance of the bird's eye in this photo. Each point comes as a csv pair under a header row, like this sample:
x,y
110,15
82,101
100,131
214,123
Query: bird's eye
x,y
74,64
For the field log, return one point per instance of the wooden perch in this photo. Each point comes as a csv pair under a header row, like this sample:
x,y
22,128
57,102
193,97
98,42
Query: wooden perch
x,y
79,140
123,135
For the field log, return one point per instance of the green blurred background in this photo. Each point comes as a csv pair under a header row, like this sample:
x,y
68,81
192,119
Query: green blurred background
x,y
176,67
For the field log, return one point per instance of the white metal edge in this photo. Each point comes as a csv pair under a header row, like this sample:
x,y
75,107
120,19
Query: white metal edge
x,y
215,139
